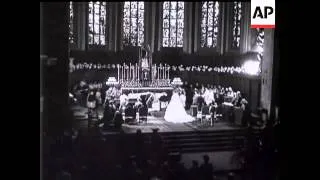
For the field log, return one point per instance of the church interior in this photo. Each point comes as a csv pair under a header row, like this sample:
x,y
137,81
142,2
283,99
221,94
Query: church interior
x,y
157,90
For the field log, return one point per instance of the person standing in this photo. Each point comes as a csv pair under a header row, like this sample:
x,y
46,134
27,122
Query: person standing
x,y
91,102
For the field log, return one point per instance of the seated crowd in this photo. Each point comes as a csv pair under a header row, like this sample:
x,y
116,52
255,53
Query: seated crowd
x,y
124,158
140,157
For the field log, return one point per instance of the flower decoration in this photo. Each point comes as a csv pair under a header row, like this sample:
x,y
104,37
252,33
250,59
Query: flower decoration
x,y
181,68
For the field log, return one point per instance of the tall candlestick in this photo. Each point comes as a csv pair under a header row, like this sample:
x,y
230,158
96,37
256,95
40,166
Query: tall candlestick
x,y
152,72
121,73
138,73
155,68
118,73
164,72
124,71
129,71
133,72
168,73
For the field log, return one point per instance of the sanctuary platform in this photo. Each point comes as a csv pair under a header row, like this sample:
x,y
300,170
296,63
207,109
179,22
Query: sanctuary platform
x,y
155,120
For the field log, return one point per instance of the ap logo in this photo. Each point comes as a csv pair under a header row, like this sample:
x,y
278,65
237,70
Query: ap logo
x,y
262,13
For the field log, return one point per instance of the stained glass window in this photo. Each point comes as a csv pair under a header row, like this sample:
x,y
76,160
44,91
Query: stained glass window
x,y
209,24
173,24
71,22
97,23
237,15
133,23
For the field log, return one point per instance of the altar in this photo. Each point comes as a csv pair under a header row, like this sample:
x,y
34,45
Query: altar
x,y
146,89
144,76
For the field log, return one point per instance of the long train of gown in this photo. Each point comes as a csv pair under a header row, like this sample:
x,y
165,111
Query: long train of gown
x,y
175,111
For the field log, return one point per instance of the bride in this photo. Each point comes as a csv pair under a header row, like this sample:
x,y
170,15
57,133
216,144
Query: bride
x,y
175,111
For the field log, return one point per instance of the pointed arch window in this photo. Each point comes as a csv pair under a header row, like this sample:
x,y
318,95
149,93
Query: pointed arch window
x,y
173,24
133,23
210,13
71,23
236,24
97,23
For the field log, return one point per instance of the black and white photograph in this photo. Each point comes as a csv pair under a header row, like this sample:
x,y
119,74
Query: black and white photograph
x,y
168,90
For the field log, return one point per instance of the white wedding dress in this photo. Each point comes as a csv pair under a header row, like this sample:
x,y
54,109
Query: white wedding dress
x,y
175,111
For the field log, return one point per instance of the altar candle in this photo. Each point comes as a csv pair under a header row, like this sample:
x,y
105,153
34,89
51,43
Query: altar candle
x,y
164,72
168,73
152,73
118,73
124,71
121,73
138,73
130,71
155,68
133,73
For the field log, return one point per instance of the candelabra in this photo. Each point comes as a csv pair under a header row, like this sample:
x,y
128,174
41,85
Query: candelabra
x,y
129,76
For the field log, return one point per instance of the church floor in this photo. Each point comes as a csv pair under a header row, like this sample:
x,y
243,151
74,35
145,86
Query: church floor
x,y
155,120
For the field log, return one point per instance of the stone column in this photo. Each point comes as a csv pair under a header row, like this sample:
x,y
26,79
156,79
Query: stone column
x,y
188,24
110,25
245,28
55,76
159,19
196,26
152,11
267,69
117,30
82,16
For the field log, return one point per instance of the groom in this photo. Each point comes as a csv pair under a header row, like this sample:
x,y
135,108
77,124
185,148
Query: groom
x,y
189,95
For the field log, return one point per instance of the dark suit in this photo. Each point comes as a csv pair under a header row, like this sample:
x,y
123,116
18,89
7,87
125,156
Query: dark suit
x,y
206,170
107,116
130,112
189,97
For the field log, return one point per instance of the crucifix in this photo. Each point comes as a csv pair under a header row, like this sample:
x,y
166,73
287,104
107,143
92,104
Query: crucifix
x,y
145,62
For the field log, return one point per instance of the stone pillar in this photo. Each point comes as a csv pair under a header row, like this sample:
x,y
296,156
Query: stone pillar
x,y
110,25
245,28
55,76
188,24
267,69
117,30
82,14
223,24
152,26
226,24
197,15
159,20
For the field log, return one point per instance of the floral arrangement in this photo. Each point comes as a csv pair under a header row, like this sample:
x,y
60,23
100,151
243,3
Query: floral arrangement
x,y
181,68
